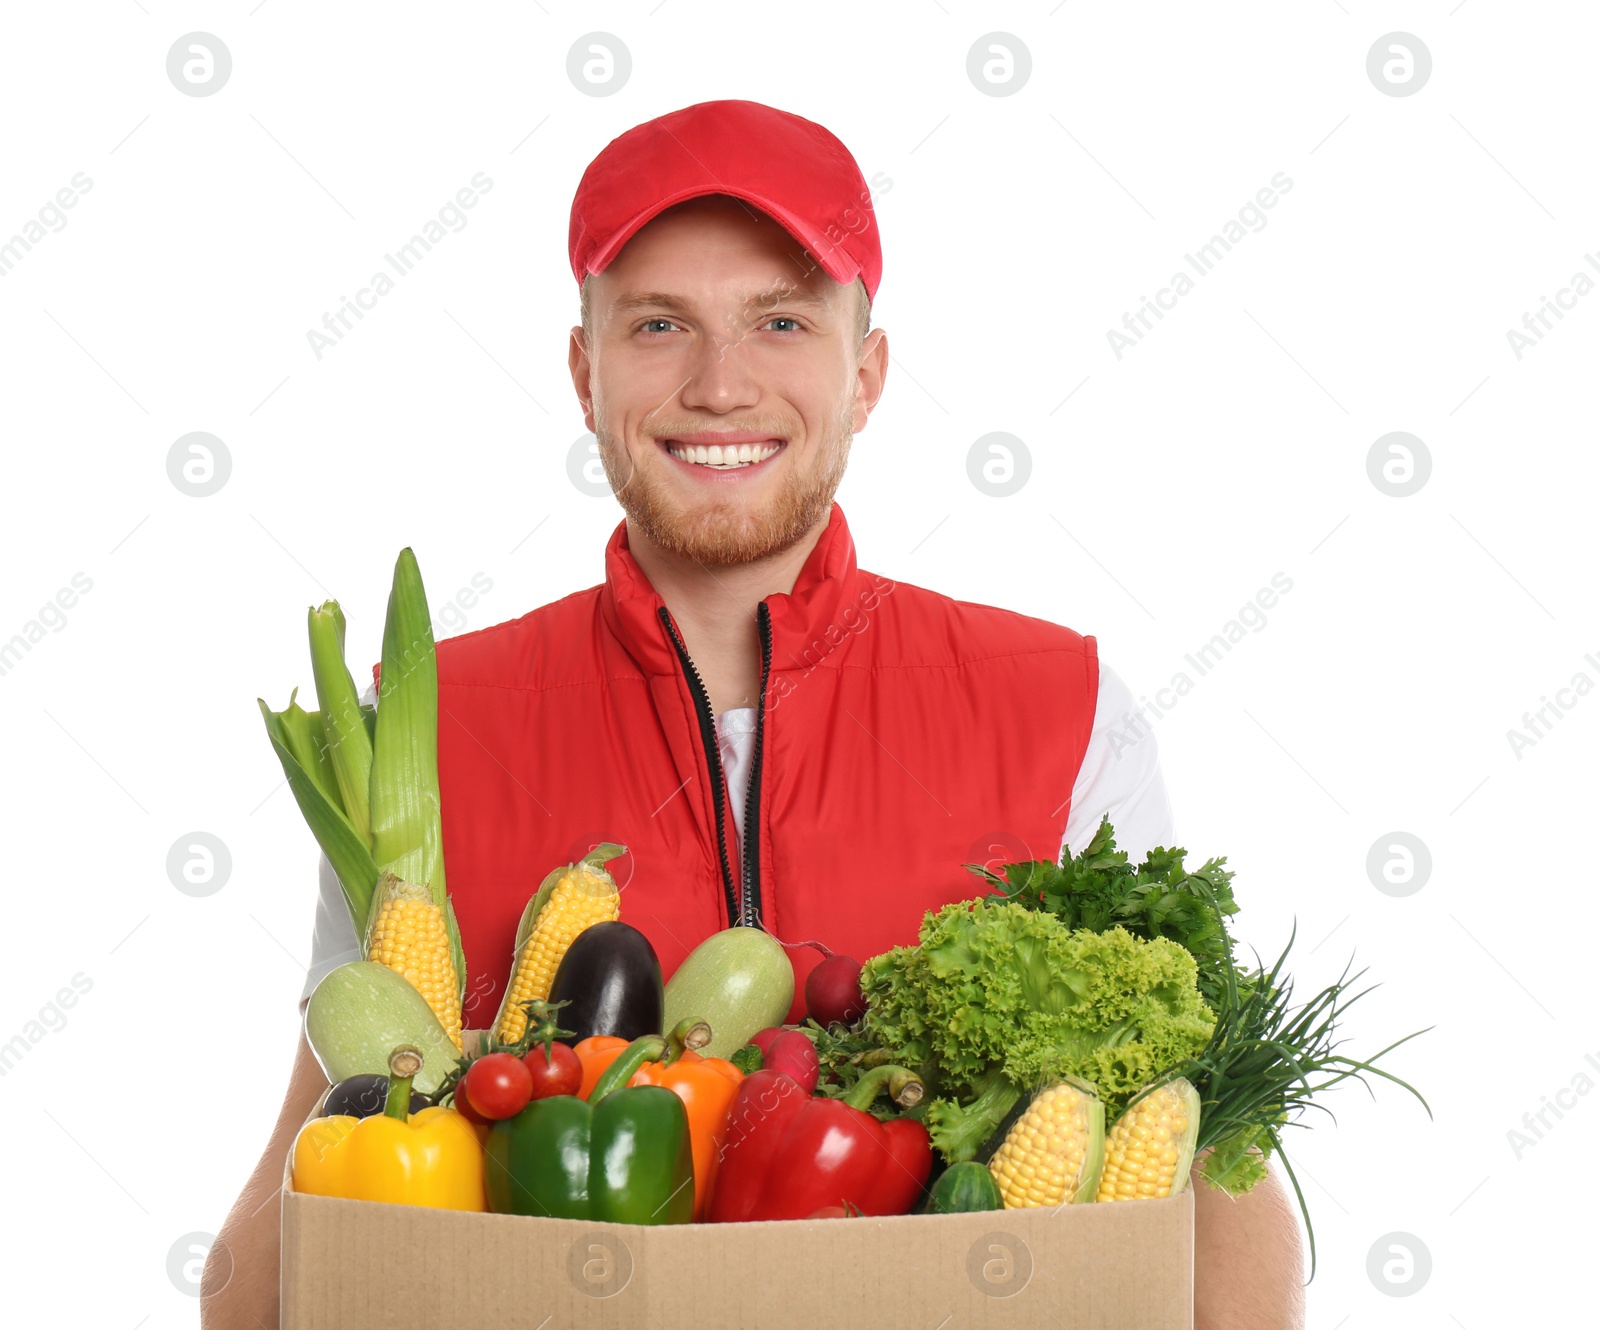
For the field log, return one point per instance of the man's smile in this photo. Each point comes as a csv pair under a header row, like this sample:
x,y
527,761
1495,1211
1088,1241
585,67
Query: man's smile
x,y
731,451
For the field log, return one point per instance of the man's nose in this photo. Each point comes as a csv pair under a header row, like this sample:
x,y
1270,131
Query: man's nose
x,y
722,376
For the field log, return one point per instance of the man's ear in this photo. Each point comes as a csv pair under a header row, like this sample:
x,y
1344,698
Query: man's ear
x,y
581,368
871,373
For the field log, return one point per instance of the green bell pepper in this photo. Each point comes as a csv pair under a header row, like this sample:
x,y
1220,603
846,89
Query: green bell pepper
x,y
622,1156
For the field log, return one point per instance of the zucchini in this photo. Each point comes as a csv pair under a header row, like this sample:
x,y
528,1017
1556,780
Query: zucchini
x,y
738,981
361,1012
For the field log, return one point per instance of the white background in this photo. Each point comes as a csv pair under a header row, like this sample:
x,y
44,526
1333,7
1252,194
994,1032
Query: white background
x,y
1229,445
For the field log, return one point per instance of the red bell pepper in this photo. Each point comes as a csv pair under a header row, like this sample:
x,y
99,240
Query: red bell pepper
x,y
787,1154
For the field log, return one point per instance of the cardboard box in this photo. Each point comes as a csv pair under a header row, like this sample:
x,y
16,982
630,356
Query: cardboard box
x,y
349,1265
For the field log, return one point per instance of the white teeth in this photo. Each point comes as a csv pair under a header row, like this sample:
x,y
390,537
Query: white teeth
x,y
724,457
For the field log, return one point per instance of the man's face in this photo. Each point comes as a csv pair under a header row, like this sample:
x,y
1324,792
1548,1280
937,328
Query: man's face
x,y
724,379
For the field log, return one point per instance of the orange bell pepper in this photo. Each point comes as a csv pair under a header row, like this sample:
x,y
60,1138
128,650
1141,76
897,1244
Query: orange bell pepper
x,y
595,1054
707,1087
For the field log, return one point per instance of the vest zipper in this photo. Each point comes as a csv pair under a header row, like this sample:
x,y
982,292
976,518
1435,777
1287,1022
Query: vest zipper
x,y
751,899
708,736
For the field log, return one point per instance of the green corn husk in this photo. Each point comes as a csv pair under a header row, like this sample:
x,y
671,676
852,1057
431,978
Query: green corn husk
x,y
349,744
457,955
406,831
407,834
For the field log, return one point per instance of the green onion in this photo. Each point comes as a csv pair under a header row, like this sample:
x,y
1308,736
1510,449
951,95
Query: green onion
x,y
349,744
1267,1063
303,732
296,737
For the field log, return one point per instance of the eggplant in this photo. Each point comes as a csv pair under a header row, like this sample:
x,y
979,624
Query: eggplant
x,y
363,1097
610,980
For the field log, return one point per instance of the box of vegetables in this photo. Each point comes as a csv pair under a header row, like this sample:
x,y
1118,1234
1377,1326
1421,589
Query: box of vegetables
x,y
947,1138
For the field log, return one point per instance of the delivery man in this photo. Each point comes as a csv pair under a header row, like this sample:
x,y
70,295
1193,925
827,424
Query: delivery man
x,y
782,739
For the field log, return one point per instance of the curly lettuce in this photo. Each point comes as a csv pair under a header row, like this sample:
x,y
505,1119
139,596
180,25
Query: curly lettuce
x,y
997,999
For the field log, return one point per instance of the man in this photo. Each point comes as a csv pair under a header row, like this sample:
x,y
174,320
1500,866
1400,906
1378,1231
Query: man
x,y
781,739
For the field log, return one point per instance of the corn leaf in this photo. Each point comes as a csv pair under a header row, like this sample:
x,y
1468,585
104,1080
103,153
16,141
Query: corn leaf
x,y
535,907
603,853
457,955
407,836
347,852
345,728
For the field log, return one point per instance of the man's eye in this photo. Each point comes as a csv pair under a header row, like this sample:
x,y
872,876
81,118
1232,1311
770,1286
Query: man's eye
x,y
655,327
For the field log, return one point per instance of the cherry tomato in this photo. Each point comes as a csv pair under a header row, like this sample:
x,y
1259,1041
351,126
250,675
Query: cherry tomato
x,y
463,1105
499,1085
559,1073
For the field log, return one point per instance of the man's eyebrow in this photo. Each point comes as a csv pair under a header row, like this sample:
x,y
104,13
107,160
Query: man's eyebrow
x,y
635,301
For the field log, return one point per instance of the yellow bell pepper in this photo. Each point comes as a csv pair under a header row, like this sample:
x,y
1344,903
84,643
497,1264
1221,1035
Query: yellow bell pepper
x,y
432,1158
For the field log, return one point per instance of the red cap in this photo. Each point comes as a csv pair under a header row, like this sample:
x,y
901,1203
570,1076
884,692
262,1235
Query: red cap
x,y
789,167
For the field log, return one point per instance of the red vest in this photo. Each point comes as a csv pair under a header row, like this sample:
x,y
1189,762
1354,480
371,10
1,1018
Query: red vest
x,y
903,735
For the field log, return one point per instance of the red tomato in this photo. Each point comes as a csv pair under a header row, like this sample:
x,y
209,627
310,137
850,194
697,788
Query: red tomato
x,y
559,1072
463,1105
499,1085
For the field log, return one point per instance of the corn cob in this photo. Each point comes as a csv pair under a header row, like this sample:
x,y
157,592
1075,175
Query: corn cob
x,y
409,934
1051,1155
567,902
1150,1147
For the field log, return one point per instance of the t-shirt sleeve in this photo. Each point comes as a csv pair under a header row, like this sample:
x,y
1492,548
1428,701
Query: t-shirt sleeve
x,y
333,935
1120,778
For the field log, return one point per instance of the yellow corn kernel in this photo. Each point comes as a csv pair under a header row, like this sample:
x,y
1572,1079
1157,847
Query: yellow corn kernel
x,y
1051,1155
409,935
582,896
1149,1148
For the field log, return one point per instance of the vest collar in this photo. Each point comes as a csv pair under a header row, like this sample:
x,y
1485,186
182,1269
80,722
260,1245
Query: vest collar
x,y
827,580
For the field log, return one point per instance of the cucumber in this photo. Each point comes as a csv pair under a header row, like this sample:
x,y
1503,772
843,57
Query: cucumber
x,y
738,981
361,1011
964,1188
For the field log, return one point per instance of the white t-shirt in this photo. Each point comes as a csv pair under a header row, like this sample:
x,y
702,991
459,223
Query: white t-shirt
x,y
1126,786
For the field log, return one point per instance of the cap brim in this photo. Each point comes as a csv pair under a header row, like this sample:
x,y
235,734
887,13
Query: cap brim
x,y
833,260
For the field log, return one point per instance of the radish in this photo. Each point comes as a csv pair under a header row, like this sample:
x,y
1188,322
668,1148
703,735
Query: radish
x,y
762,1039
833,992
790,1052
796,1057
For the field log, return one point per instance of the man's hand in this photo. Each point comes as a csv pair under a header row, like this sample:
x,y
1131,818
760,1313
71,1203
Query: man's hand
x,y
1249,1272
239,1287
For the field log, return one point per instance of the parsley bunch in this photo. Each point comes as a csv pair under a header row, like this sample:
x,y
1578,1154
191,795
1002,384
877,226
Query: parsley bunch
x,y
1099,889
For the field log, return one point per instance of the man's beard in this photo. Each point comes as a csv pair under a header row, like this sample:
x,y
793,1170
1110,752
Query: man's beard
x,y
719,532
